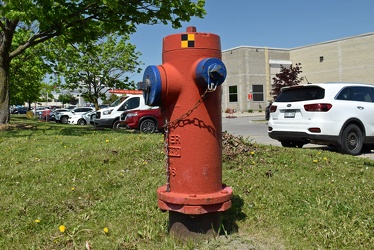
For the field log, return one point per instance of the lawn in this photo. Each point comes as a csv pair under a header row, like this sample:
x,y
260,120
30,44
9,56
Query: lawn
x,y
65,186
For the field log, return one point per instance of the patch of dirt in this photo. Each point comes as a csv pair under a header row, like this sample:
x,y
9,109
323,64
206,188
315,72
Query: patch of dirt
x,y
241,241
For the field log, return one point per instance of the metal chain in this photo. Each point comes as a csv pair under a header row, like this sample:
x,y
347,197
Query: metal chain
x,y
166,142
188,113
172,124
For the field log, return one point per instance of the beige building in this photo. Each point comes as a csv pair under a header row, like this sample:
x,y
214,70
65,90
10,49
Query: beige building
x,y
250,69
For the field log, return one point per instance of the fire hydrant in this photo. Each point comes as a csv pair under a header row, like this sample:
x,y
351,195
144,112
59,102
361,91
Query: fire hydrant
x,y
187,87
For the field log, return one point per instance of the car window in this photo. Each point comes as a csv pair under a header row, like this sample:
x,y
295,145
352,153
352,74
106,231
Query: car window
x,y
296,94
363,94
356,93
345,94
131,103
118,101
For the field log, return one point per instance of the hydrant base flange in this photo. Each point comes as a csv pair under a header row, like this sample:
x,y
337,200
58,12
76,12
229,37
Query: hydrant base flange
x,y
194,210
194,203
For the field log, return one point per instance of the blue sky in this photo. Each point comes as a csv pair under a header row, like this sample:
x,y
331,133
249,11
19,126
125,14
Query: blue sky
x,y
271,23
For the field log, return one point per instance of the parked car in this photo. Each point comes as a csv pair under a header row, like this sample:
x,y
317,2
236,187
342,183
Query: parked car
x,y
44,114
267,111
146,121
38,109
54,113
110,117
63,117
337,114
19,110
81,119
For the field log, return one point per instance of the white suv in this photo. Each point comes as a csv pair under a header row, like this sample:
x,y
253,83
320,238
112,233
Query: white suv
x,y
63,117
338,114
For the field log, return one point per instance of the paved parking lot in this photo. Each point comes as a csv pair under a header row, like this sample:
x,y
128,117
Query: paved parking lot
x,y
254,126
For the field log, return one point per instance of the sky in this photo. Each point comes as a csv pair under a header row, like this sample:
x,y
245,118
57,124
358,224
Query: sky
x,y
264,23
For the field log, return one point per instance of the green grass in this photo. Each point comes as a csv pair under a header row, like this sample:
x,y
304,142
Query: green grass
x,y
88,180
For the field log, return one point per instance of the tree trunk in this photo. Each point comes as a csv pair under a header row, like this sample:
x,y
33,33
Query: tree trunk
x,y
4,92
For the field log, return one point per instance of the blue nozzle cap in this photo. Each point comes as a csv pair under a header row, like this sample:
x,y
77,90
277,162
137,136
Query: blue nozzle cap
x,y
211,72
151,86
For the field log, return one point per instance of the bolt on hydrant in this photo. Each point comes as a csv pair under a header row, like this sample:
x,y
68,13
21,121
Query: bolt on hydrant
x,y
187,87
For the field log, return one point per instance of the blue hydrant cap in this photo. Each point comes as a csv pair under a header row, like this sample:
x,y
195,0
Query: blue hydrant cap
x,y
151,86
211,71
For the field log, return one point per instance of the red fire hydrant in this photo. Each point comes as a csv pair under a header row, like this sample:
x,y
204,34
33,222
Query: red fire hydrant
x,y
187,88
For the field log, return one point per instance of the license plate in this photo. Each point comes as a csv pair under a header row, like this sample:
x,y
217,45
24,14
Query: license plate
x,y
289,114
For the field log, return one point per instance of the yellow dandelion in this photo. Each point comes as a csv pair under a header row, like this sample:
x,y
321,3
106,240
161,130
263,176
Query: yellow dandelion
x,y
252,153
64,146
73,188
315,161
106,230
62,228
37,221
324,158
106,141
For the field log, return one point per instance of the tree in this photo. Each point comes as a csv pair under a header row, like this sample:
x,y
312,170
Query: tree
x,y
67,98
286,77
27,71
77,22
97,66
45,93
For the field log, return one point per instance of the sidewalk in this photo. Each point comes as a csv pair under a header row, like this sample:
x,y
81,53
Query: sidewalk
x,y
243,114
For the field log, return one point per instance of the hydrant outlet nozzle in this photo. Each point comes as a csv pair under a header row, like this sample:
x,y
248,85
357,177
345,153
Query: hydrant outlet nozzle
x,y
211,71
143,85
151,86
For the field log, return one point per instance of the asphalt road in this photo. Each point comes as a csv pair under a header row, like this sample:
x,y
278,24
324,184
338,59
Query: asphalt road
x,y
255,128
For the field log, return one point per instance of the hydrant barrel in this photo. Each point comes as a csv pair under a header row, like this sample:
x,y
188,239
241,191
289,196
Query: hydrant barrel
x,y
187,87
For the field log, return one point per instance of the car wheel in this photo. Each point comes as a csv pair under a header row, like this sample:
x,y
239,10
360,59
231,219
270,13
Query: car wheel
x,y
147,126
117,125
351,140
64,120
292,144
82,122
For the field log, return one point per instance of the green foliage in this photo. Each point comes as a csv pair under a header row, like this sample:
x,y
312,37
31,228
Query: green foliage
x,y
89,180
95,67
67,98
76,22
286,77
26,74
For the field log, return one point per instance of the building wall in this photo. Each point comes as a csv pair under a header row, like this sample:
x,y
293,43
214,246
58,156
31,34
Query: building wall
x,y
348,60
248,66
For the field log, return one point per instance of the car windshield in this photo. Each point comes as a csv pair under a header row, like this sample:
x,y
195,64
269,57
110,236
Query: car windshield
x,y
118,101
301,93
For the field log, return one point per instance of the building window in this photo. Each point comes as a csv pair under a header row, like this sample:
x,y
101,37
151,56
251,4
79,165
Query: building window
x,y
233,93
258,93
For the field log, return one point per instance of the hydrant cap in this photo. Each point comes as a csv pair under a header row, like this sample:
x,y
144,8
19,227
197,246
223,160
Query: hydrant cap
x,y
152,86
211,71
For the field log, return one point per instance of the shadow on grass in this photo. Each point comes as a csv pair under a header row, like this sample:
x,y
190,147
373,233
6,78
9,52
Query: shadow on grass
x,y
22,126
233,215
